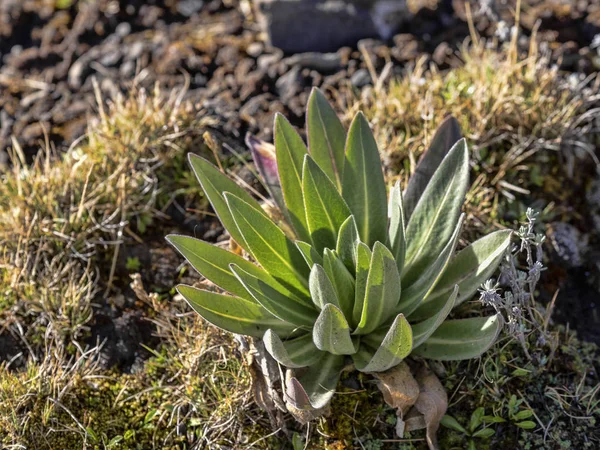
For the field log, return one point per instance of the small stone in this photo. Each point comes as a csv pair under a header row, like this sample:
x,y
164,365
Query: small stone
x,y
569,243
188,8
360,78
123,29
322,62
288,84
255,49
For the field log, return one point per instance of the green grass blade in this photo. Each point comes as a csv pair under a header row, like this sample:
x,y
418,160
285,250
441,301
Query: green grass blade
x,y
363,186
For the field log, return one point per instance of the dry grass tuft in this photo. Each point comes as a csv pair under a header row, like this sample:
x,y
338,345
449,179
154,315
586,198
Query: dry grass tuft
x,y
64,217
518,115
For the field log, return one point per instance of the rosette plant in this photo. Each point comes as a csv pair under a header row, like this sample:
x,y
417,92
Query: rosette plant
x,y
348,276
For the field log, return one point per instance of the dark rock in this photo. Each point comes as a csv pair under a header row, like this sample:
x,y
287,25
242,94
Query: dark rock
x,y
325,25
9,347
289,84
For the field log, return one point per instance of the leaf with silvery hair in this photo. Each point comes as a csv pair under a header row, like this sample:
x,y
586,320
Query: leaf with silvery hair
x,y
325,208
314,388
390,350
274,251
461,339
435,216
234,314
290,151
331,332
294,353
363,186
214,184
382,290
468,269
444,139
326,137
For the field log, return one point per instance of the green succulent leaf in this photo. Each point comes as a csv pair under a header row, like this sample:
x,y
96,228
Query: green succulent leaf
x,y
397,228
347,243
269,245
331,332
290,151
461,339
309,253
444,139
293,353
316,386
469,268
214,184
342,280
422,330
326,136
234,314
276,299
415,293
213,263
382,290
363,186
363,263
395,346
325,208
435,216
321,288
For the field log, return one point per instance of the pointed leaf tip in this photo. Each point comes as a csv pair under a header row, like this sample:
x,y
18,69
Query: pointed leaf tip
x,y
363,185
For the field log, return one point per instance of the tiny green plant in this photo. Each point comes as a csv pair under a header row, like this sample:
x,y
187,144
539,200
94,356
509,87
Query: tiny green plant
x,y
133,263
478,427
353,277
